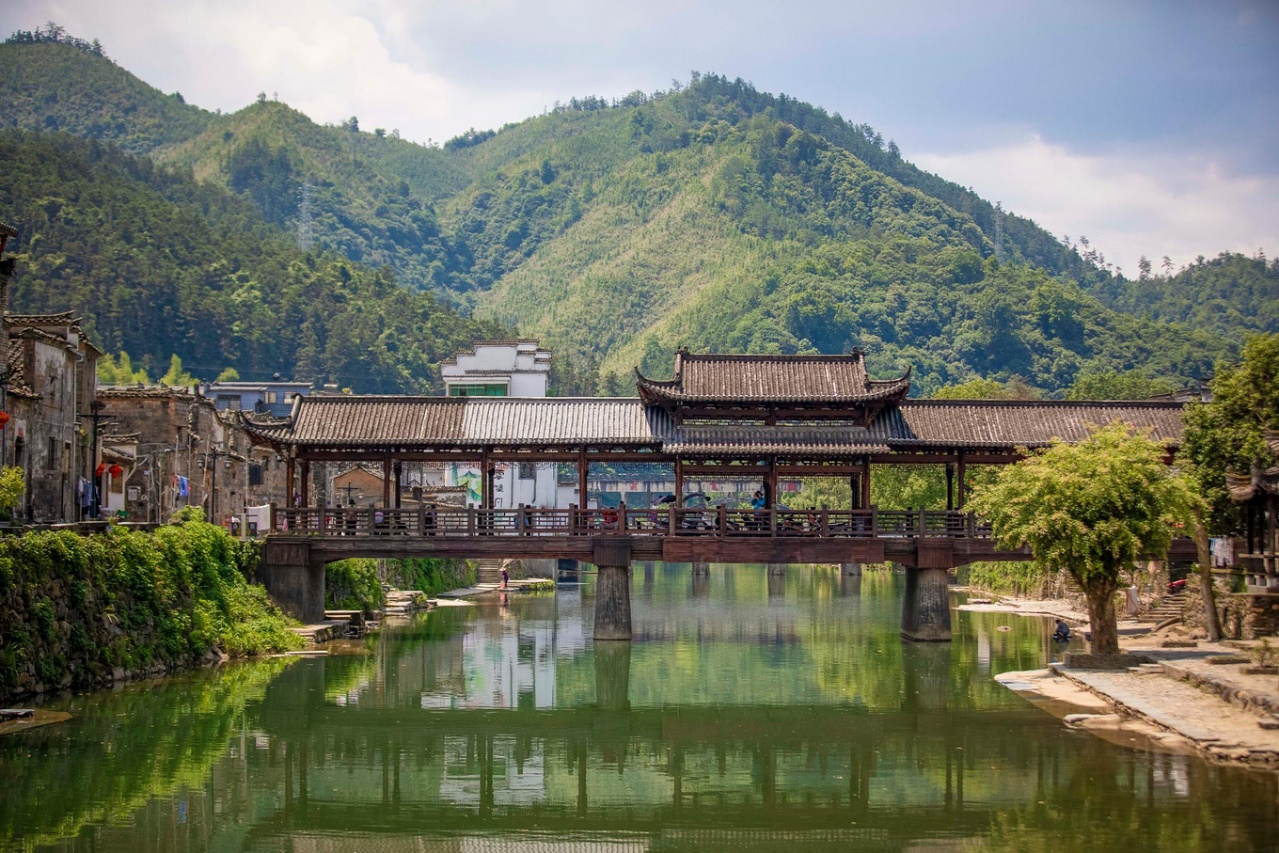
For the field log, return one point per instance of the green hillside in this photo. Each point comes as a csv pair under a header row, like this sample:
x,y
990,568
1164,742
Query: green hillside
x,y
765,238
370,196
59,87
159,264
714,217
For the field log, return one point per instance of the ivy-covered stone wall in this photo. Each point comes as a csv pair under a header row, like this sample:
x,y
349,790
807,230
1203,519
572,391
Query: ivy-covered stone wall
x,y
79,612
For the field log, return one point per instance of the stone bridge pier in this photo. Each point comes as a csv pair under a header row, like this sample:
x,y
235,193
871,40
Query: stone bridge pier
x,y
926,607
293,580
612,589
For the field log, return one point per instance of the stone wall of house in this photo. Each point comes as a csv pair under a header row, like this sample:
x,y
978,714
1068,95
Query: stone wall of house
x,y
179,434
1244,616
45,400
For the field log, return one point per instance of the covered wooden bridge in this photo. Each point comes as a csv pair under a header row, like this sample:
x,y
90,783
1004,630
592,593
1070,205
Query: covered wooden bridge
x,y
756,418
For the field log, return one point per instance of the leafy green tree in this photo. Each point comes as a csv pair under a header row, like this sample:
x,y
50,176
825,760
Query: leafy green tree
x,y
177,377
12,486
1091,509
112,371
989,389
230,374
1227,434
1117,385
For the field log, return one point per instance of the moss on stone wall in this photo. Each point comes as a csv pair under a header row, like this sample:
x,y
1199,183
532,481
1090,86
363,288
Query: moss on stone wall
x,y
79,612
356,584
431,575
353,585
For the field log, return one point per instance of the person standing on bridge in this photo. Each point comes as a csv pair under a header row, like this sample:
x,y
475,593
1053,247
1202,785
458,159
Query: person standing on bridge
x,y
758,503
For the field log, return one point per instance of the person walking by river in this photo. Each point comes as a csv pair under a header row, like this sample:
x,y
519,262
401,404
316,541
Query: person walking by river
x,y
506,576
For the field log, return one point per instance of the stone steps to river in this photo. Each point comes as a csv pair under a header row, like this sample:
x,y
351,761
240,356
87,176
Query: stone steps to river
x,y
1170,606
488,571
402,602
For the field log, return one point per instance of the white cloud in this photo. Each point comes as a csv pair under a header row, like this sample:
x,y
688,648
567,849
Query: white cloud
x,y
1127,204
328,58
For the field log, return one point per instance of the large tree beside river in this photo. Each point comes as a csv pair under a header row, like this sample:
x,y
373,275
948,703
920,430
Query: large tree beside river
x,y
1091,509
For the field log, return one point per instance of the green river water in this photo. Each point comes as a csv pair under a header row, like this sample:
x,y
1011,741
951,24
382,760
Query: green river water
x,y
750,713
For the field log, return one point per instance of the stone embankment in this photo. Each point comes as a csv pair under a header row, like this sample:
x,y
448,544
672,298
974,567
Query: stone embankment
x,y
1178,691
1207,699
345,624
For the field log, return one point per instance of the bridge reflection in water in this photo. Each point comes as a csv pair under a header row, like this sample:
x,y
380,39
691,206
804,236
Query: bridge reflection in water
x,y
736,720
773,724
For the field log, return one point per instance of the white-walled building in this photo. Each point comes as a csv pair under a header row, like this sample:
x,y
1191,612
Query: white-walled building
x,y
502,369
498,369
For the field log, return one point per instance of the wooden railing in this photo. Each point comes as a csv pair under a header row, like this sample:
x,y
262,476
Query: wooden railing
x,y
715,522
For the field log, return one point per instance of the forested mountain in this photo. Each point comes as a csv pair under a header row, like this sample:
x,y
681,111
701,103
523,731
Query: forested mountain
x,y
56,86
712,216
161,264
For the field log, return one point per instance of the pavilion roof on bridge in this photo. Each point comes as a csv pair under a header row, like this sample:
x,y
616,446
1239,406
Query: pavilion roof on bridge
x,y
772,387
379,424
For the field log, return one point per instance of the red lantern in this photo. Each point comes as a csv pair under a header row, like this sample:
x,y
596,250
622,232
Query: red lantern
x,y
4,419
115,470
102,466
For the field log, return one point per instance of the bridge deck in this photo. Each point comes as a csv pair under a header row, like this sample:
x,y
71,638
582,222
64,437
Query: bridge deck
x,y
923,538
674,535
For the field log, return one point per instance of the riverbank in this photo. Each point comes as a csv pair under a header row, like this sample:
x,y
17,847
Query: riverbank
x,y
1058,608
521,585
1179,695
81,612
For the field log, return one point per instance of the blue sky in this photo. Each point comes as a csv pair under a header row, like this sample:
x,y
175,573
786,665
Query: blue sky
x,y
1150,127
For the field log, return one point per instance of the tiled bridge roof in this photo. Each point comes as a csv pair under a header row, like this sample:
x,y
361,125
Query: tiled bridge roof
x,y
431,423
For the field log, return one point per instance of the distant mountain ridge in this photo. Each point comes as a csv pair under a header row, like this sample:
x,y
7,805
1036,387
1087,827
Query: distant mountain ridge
x,y
715,217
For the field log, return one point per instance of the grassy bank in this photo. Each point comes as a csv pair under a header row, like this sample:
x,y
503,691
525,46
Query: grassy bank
x,y
80,611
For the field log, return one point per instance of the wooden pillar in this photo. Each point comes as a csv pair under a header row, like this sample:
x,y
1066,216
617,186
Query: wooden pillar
x,y
486,480
950,486
679,485
963,492
583,475
1271,563
854,492
290,481
398,468
866,484
306,483
772,483
386,482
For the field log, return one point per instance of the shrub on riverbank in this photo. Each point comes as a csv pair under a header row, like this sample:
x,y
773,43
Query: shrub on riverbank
x,y
1017,578
80,611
